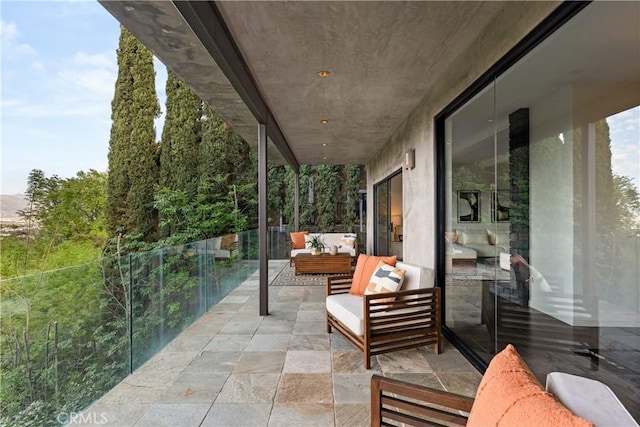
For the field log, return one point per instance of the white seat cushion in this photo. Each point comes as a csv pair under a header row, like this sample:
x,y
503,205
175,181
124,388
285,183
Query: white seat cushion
x,y
589,399
348,309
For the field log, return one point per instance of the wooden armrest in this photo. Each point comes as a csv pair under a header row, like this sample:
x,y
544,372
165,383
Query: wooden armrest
x,y
413,404
339,284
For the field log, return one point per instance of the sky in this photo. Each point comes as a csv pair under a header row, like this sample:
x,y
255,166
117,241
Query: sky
x,y
57,81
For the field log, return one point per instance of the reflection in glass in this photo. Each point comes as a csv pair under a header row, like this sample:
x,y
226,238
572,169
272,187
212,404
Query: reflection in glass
x,y
552,263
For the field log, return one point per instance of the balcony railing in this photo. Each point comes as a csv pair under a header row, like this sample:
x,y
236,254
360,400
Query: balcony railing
x,y
70,335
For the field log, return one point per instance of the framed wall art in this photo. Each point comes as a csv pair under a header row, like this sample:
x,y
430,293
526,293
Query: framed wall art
x,y
468,206
500,203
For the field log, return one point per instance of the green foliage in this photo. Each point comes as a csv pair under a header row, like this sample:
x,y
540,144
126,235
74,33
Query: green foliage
x,y
38,196
322,189
46,343
227,173
276,190
316,242
351,196
22,256
66,218
190,219
307,197
627,200
133,171
75,207
198,218
289,198
180,138
326,202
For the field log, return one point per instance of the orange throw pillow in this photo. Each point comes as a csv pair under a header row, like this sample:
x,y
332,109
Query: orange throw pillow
x,y
509,395
298,239
365,267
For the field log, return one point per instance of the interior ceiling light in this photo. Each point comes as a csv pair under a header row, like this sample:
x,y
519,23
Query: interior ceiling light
x,y
324,144
324,158
324,121
323,73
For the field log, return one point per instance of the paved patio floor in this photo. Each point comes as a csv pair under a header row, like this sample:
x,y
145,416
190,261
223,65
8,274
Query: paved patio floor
x,y
233,367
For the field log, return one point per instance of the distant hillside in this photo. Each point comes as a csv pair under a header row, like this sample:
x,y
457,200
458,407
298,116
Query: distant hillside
x,y
10,205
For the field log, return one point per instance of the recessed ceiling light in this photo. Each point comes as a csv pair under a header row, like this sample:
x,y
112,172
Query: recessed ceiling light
x,y
324,144
490,120
324,121
324,158
324,73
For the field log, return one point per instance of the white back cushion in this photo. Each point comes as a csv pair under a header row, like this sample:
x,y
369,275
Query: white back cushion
x,y
415,277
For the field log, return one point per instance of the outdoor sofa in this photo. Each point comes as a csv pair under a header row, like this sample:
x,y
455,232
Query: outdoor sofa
x,y
345,242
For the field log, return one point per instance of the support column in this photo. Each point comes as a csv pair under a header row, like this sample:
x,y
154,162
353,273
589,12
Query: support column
x,y
296,209
262,220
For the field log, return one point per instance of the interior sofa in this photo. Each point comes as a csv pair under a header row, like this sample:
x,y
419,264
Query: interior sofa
x,y
388,320
486,243
345,242
508,394
468,246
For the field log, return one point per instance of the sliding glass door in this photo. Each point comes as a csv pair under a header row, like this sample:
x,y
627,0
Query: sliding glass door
x,y
542,205
388,216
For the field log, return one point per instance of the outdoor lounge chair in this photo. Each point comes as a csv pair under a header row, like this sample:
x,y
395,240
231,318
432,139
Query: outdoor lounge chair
x,y
376,325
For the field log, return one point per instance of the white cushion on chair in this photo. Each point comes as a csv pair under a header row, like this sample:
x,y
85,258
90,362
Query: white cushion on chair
x,y
589,399
415,277
347,309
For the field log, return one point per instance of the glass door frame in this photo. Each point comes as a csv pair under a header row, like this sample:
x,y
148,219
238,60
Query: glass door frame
x,y
376,213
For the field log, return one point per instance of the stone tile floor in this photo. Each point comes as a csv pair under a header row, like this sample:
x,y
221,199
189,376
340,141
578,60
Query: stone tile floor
x,y
233,367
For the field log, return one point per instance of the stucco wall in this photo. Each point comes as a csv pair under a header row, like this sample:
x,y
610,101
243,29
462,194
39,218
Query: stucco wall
x,y
510,25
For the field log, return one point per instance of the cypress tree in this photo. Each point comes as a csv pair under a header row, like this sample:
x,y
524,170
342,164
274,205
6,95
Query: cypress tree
x,y
180,138
133,171
227,168
121,112
211,155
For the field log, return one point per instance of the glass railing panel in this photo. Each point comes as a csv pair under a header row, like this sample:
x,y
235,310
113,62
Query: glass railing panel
x,y
62,344
69,336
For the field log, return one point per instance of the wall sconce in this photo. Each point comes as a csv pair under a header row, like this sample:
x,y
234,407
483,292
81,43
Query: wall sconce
x,y
410,159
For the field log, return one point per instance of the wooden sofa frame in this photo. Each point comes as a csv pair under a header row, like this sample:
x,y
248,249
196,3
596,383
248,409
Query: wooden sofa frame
x,y
395,402
412,320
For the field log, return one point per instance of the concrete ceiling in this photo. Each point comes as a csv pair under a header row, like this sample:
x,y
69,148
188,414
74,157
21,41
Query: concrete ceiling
x,y
383,57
